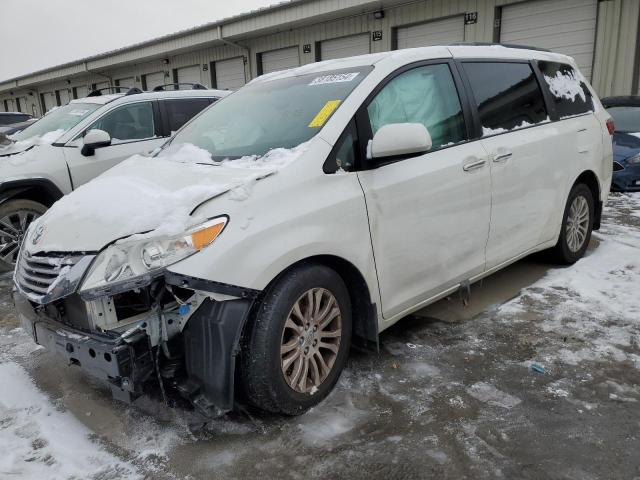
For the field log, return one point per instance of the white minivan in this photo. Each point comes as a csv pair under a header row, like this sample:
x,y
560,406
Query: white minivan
x,y
313,208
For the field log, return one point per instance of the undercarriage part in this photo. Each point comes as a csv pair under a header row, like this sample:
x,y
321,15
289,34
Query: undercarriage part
x,y
211,343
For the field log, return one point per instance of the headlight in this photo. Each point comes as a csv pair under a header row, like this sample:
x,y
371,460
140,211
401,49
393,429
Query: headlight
x,y
131,264
635,160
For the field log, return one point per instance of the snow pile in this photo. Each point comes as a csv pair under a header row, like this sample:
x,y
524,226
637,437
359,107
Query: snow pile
x,y
565,85
186,153
38,441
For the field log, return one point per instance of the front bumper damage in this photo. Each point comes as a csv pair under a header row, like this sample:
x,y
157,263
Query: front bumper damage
x,y
188,347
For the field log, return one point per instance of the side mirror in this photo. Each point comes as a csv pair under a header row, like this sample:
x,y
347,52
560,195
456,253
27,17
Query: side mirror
x,y
94,139
400,139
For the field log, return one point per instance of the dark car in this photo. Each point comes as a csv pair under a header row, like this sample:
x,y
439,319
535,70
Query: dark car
x,y
626,142
9,118
17,127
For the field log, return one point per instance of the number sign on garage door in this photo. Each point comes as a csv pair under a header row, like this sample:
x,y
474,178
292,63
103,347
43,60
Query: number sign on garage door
x,y
438,32
230,74
188,75
567,27
345,47
153,80
280,59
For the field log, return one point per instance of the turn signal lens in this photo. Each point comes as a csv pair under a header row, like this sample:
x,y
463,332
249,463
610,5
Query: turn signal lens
x,y
202,238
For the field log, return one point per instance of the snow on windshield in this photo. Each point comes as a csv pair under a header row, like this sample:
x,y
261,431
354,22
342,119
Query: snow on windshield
x,y
565,85
149,206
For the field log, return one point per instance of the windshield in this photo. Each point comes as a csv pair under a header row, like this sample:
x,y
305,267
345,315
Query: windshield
x,y
626,119
277,114
59,120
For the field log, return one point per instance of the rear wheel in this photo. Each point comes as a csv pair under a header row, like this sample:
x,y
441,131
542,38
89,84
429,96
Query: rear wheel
x,y
15,218
577,224
298,342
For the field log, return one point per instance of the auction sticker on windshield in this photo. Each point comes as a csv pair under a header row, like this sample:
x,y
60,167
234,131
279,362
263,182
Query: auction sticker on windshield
x,y
325,112
334,78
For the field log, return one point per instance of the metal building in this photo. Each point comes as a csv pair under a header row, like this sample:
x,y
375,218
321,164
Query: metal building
x,y
603,36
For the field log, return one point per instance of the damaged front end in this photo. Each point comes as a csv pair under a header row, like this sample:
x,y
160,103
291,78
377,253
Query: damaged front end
x,y
168,330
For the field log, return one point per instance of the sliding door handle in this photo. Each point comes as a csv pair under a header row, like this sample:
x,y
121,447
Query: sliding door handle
x,y
502,157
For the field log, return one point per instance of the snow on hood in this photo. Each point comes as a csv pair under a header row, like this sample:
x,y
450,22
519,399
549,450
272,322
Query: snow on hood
x,y
150,197
21,152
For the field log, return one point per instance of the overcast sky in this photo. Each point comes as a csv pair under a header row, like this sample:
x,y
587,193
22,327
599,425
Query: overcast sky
x,y
37,34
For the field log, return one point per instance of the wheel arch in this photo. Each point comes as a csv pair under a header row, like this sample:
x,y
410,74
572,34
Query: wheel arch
x,y
38,190
590,179
364,311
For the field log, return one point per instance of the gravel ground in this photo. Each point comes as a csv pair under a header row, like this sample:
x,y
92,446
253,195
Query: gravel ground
x,y
453,393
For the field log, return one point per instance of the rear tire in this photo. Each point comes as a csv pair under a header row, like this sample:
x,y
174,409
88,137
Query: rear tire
x,y
577,225
298,342
15,218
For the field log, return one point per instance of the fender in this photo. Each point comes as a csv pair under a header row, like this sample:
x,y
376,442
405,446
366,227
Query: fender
x,y
12,188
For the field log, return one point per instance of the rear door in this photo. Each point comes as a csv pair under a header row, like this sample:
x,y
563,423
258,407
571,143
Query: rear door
x,y
526,152
429,214
134,129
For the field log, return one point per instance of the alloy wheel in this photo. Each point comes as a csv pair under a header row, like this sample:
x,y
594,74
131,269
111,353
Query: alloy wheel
x,y
311,340
577,223
13,227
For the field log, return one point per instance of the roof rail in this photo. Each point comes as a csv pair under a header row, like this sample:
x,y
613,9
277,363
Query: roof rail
x,y
194,86
115,89
492,44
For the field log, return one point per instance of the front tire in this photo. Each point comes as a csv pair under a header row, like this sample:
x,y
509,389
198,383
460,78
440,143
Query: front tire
x,y
577,225
15,218
298,342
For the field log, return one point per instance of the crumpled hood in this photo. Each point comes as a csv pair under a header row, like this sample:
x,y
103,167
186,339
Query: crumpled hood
x,y
137,196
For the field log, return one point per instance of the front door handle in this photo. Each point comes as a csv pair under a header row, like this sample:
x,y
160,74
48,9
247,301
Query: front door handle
x,y
468,167
502,157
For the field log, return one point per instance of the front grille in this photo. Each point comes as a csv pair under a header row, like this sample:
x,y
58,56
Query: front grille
x,y
36,275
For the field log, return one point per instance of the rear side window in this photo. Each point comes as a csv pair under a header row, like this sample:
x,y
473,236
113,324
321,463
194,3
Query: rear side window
x,y
425,95
569,92
507,95
181,111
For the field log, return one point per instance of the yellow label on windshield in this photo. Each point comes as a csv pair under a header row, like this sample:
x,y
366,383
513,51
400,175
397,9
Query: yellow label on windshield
x,y
325,112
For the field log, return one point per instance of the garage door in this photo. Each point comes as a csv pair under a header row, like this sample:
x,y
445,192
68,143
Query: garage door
x,y
189,75
22,104
230,74
103,85
49,99
439,32
81,91
345,47
9,104
280,59
567,27
126,82
64,96
153,80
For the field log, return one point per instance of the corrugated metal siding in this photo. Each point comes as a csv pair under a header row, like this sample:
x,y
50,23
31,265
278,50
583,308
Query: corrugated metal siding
x,y
312,21
567,27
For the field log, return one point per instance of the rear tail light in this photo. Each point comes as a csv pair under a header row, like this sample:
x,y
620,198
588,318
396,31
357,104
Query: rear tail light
x,y
611,126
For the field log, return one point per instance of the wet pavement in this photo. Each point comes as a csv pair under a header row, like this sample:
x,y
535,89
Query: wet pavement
x,y
538,378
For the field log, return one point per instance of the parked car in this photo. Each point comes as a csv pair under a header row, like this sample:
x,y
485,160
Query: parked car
x,y
311,209
75,143
626,142
9,118
14,128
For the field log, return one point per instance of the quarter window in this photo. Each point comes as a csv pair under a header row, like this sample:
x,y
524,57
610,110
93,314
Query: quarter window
x,y
180,112
569,93
507,95
130,122
425,95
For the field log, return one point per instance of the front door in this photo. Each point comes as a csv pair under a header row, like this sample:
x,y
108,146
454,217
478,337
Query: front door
x,y
133,131
429,214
